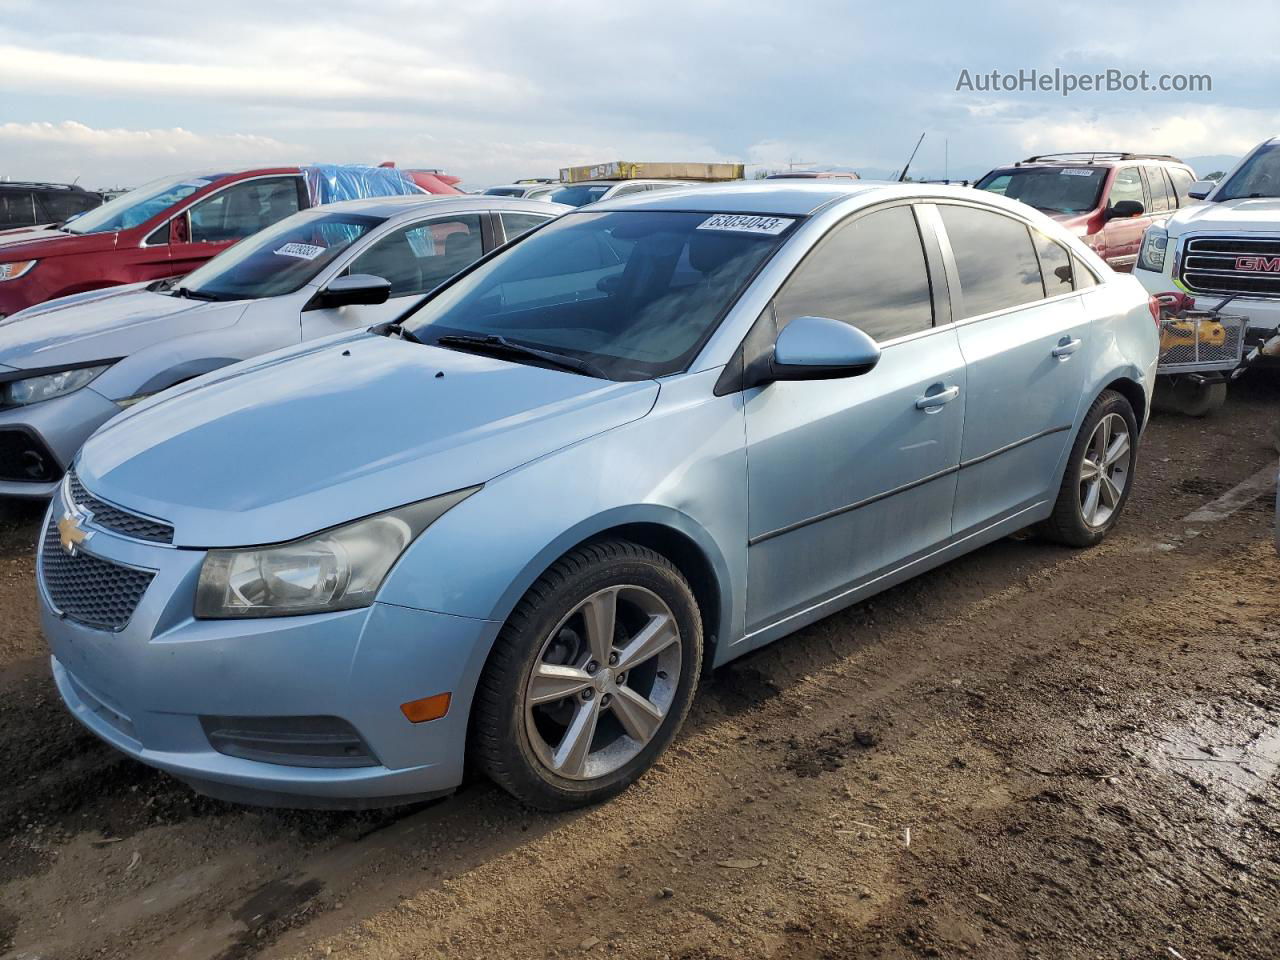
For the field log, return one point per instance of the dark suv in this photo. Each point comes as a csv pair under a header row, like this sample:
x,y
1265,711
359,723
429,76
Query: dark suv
x,y
1106,199
28,204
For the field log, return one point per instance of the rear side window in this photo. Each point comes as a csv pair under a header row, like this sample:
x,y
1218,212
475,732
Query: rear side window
x,y
1055,265
1083,275
1182,181
997,265
870,273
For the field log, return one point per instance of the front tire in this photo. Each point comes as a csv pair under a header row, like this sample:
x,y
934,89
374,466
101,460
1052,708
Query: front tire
x,y
590,678
1099,474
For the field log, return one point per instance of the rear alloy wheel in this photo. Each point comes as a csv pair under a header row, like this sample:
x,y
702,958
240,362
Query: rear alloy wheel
x,y
1098,476
590,678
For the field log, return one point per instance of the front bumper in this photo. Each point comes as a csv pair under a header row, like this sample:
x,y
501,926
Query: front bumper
x,y
50,434
144,688
1264,315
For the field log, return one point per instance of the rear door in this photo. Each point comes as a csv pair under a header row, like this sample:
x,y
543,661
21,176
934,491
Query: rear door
x,y
854,476
416,258
1024,335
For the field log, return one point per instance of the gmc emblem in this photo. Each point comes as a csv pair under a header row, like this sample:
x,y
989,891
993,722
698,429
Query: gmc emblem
x,y
1258,264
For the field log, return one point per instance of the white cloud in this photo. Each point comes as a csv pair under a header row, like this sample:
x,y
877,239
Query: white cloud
x,y
1186,132
106,157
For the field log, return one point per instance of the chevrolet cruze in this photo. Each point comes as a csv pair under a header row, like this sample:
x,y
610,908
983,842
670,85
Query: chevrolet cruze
x,y
510,528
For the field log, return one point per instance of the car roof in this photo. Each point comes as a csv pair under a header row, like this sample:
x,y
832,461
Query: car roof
x,y
410,204
41,185
774,197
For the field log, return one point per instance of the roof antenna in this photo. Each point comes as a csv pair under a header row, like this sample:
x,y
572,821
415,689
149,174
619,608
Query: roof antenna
x,y
902,178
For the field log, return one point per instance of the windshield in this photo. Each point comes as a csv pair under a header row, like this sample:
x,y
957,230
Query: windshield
x,y
1259,176
280,259
1052,189
636,293
137,206
581,195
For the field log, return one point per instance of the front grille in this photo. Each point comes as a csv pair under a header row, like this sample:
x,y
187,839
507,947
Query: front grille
x,y
25,458
87,589
104,515
1249,267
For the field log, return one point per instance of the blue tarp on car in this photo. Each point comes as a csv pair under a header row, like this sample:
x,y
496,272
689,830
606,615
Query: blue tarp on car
x,y
331,182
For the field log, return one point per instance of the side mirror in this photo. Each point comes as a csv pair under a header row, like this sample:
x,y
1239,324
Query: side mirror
x,y
1200,189
179,232
819,348
1124,209
353,290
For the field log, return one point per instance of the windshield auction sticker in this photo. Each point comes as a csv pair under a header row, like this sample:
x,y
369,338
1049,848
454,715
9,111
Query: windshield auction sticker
x,y
742,223
1076,172
302,251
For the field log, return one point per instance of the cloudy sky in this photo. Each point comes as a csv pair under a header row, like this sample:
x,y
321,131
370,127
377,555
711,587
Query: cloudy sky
x,y
118,93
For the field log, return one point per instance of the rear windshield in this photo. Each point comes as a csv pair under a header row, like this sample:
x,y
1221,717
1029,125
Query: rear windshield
x,y
137,206
280,259
1259,176
636,293
581,195
1073,189
504,192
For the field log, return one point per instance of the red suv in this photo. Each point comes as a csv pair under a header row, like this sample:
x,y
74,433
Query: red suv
x,y
1107,199
169,227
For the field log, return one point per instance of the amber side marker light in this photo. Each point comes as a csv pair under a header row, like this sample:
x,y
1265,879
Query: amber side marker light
x,y
428,708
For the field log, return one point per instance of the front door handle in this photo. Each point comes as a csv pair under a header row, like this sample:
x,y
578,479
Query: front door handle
x,y
1066,348
932,401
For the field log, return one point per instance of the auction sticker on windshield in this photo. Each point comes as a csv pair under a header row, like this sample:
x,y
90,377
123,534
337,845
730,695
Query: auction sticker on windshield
x,y
1073,172
744,223
303,251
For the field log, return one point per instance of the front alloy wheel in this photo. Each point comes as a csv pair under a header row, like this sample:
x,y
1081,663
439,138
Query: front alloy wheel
x,y
590,677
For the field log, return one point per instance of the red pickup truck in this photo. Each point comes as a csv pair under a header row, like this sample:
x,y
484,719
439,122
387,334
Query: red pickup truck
x,y
170,226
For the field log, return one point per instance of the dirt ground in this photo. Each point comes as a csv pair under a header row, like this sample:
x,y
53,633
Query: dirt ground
x,y
1031,752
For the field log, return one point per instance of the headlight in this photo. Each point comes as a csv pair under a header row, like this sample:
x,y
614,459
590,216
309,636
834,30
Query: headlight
x,y
1154,243
20,393
338,569
16,269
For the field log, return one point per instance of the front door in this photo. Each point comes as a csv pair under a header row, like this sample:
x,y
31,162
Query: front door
x,y
850,477
228,216
1025,339
1122,236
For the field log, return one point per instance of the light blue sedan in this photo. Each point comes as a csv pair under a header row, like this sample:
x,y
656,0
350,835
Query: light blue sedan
x,y
513,527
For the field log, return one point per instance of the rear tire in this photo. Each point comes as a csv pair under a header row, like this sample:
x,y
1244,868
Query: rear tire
x,y
1194,399
1099,474
590,678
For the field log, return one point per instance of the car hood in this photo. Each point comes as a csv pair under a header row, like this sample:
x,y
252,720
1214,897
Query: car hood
x,y
32,243
301,440
1261,214
105,324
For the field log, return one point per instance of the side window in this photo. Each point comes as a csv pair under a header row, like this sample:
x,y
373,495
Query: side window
x,y
998,268
1083,275
420,257
1182,180
515,224
17,208
1127,186
1158,187
1055,265
60,206
243,209
870,273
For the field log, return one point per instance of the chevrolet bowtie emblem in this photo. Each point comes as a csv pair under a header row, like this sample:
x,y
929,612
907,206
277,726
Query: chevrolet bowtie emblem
x,y
71,533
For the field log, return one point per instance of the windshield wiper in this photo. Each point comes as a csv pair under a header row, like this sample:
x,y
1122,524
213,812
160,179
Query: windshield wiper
x,y
189,294
501,346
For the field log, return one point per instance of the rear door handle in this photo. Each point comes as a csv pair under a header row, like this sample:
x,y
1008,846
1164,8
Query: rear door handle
x,y
1066,348
931,401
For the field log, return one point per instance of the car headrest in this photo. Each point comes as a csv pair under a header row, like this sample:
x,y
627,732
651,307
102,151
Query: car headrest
x,y
709,251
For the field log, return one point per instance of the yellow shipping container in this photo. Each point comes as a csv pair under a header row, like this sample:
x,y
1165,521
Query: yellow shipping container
x,y
623,170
